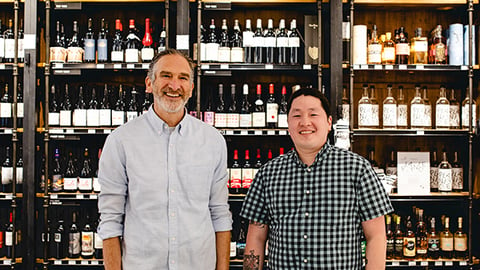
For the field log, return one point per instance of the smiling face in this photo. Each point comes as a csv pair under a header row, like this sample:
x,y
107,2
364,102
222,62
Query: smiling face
x,y
308,124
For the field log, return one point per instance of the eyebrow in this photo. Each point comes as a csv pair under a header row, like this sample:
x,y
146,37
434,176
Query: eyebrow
x,y
308,109
171,73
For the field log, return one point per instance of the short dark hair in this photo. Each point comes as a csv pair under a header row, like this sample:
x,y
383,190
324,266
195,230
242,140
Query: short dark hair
x,y
310,92
170,51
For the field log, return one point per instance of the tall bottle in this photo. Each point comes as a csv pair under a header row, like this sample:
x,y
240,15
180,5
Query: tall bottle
x,y
460,242
434,172
233,115
80,110
428,109
421,237
442,110
444,175
87,240
20,42
59,240
74,48
212,46
7,171
247,172
74,242
457,174
388,54
132,108
409,241
102,43
433,240
118,47
389,110
224,50
5,109
258,162
93,111
236,53
402,48
86,174
283,109
391,167
54,109
466,112
417,110
132,44
9,43
242,240
248,41
208,113
454,111
245,110
365,110
58,53
402,110
9,237
20,105
19,170
235,174
220,112
89,43
258,115
398,251
374,48
97,241
375,108
146,102
2,42
270,43
258,43
294,43
446,241
162,41
390,237
66,109
70,180
118,112
272,108
57,173
105,114
147,41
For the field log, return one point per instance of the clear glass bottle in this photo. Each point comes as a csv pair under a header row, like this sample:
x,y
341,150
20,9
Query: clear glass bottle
x,y
374,48
102,43
454,111
466,112
389,110
345,105
417,110
402,110
457,174
402,47
444,175
442,110
375,108
428,109
438,47
365,109
388,54
419,48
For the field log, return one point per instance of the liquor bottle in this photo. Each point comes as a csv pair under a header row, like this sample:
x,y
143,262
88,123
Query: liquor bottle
x,y
87,240
58,54
258,163
272,108
7,171
258,43
20,42
391,167
434,172
388,53
258,115
460,242
402,48
102,43
442,110
233,116
346,37
345,106
74,48
438,47
247,173
248,42
242,240
220,113
402,110
212,46
283,109
409,241
97,241
9,237
59,241
245,110
457,174
398,251
208,113
86,174
417,110
74,242
54,109
5,109
93,111
20,105
162,41
236,52
9,43
428,109
454,111
444,175
95,184
374,48
147,41
233,246
224,50
57,176
390,238
146,102
371,158
66,109
2,45
270,43
70,180
80,110
19,170
446,241
375,108
132,109
365,110
235,175
466,112
105,114
118,113
282,44
389,110
118,47
421,237
294,43
433,241
132,44
419,48
89,43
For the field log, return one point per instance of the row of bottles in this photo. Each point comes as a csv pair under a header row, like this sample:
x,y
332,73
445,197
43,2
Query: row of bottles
x,y
270,45
416,238
112,110
446,113
7,171
7,42
7,107
101,47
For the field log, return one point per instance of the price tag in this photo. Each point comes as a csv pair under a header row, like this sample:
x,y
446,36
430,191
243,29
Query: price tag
x,y
55,131
243,132
57,262
94,262
270,132
355,66
205,66
93,196
307,66
420,67
412,263
91,131
117,66
229,132
377,67
145,66
53,196
462,263
438,263
390,67
363,66
130,66
7,262
79,196
464,68
258,132
2,66
71,262
448,263
58,65
224,66
424,263
282,132
420,132
100,66
83,262
107,131
395,263
8,131
69,131
402,67
269,66
8,196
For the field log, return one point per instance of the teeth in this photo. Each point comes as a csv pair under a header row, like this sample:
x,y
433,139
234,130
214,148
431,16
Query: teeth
x,y
172,95
306,132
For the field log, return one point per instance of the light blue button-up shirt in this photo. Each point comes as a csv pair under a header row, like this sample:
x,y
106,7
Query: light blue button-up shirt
x,y
164,192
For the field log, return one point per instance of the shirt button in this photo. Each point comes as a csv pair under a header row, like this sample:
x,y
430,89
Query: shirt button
x,y
172,191
309,170
305,236
305,260
173,238
307,192
172,214
307,214
172,261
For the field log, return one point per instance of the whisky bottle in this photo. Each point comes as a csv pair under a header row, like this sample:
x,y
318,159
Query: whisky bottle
x,y
454,111
433,240
421,237
364,110
444,175
390,238
434,172
402,110
438,48
417,110
389,110
409,241
466,112
446,241
375,108
457,174
460,242
388,54
419,48
398,251
428,109
442,110
345,105
374,48
402,47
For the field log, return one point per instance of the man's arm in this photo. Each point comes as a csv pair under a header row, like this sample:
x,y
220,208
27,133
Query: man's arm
x,y
222,240
375,235
255,249
112,255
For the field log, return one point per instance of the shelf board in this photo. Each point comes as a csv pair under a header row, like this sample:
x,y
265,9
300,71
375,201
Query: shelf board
x,y
413,2
60,68
77,262
254,132
428,262
57,197
212,67
428,67
411,132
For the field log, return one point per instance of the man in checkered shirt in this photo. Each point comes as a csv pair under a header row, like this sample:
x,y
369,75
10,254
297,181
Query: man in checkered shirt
x,y
313,203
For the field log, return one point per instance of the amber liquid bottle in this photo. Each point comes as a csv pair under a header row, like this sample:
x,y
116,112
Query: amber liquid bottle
x,y
433,240
446,241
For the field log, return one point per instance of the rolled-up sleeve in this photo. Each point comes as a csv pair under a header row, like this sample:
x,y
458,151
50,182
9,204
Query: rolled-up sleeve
x,y
113,180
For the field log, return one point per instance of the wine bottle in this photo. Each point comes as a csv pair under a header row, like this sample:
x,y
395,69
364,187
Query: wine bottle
x,y
5,109
365,109
245,110
282,44
59,240
375,108
74,48
70,180
58,53
389,110
242,240
147,41
80,111
417,110
258,115
162,42
118,113
66,109
272,108
7,171
9,237
132,109
20,105
457,174
270,43
283,110
74,243
258,43
89,43
233,116
294,43
132,44
212,44
208,113
118,48
428,109
402,110
86,174
95,184
97,241
224,50
19,170
146,102
220,114
248,42
235,175
93,111
105,114
236,53
2,43
102,43
20,42
247,173
87,240
57,176
9,43
454,111
258,163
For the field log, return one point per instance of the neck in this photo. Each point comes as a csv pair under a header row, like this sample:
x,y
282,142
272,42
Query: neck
x,y
172,119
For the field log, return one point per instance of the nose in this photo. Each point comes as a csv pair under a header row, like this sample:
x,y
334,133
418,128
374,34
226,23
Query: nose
x,y
305,121
174,83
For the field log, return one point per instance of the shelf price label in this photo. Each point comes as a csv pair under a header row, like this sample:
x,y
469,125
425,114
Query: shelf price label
x,y
71,262
438,263
100,66
402,67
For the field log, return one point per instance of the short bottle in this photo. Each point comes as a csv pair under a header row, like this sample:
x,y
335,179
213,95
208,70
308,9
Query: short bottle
x,y
446,241
374,48
419,48
433,240
460,242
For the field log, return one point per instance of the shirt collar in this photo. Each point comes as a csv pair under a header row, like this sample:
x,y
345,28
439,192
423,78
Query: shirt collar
x,y
319,157
162,128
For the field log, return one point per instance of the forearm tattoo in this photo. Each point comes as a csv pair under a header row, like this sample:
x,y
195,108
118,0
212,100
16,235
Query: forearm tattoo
x,y
256,223
251,261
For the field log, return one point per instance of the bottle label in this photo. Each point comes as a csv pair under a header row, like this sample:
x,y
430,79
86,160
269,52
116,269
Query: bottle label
x,y
433,177
460,243
147,54
235,178
365,115
248,39
2,47
442,116
233,120
391,170
270,42
466,115
417,118
8,239
282,120
57,54
445,180
457,177
7,175
5,110
9,48
402,49
70,183
57,237
454,116
57,183
21,50
74,243
93,117
247,177
420,46
402,115
294,42
258,119
258,41
85,184
20,110
80,117
246,120
282,42
346,112
220,120
105,117
375,115
446,244
87,243
272,112
162,48
233,249
209,118
102,50
211,52
409,249
117,56
131,115
118,118
433,244
53,118
131,56
428,116
390,245
389,115
389,54
224,54
74,55
96,185
374,53
97,241
89,49
19,179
